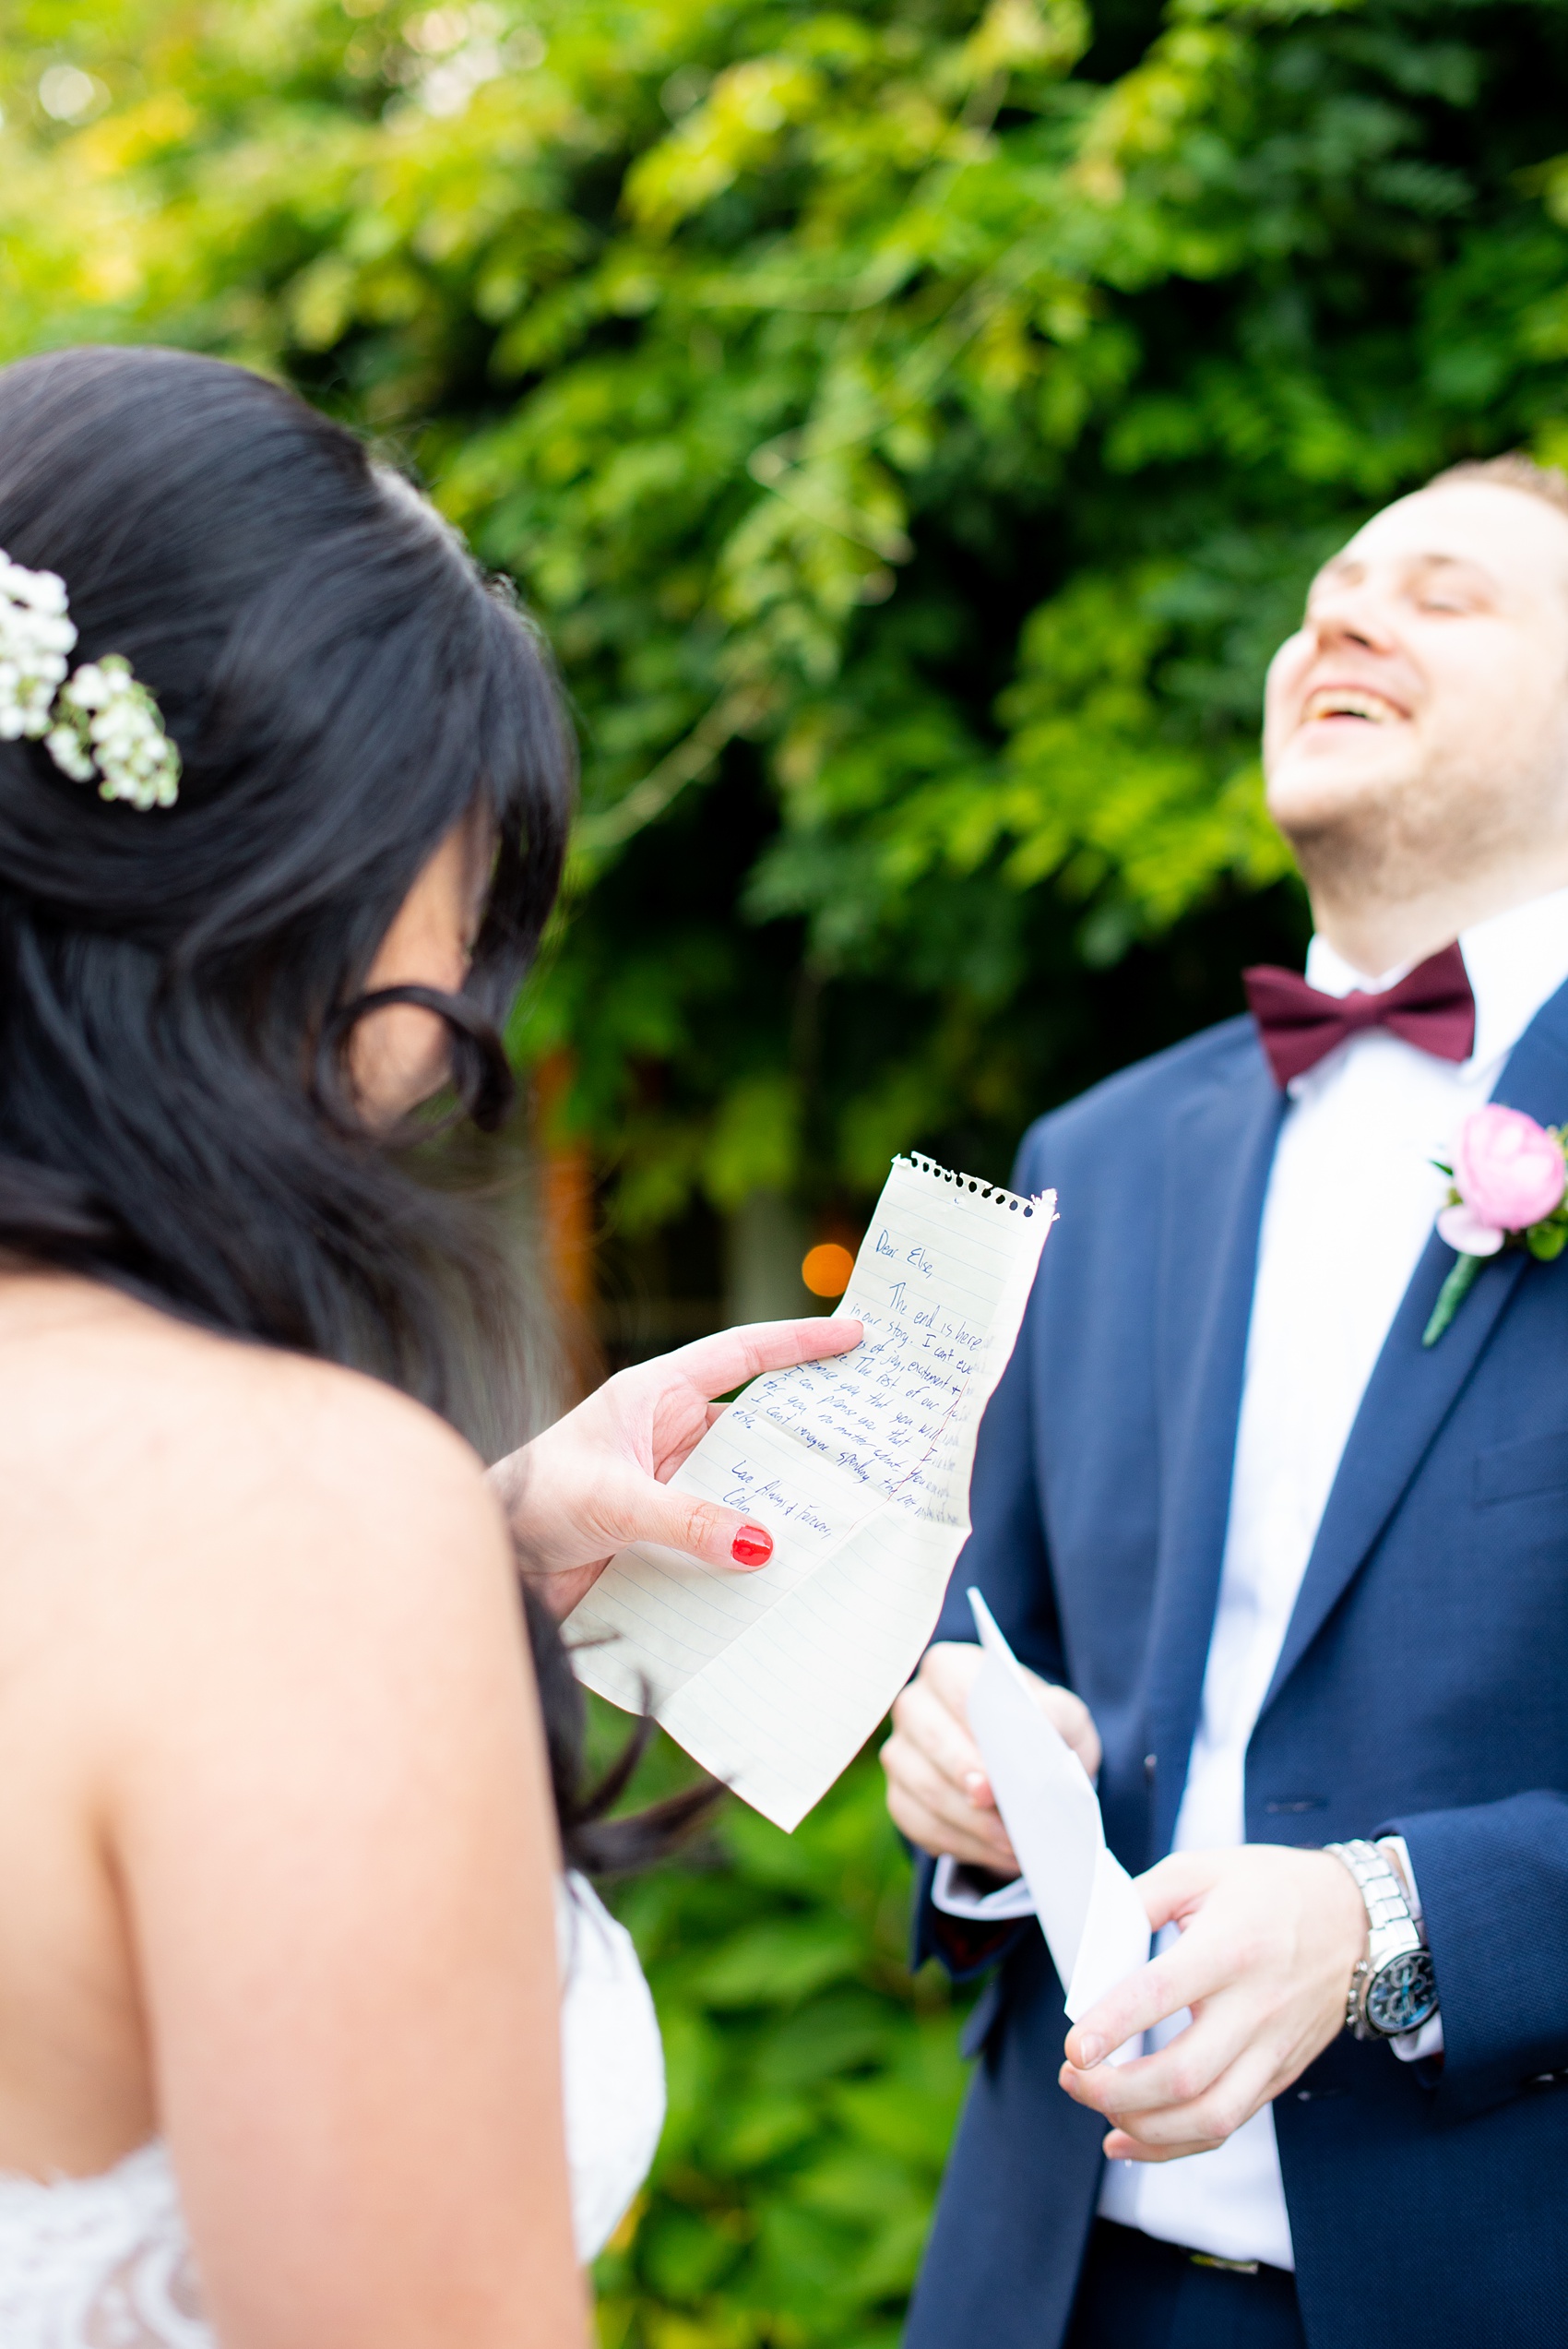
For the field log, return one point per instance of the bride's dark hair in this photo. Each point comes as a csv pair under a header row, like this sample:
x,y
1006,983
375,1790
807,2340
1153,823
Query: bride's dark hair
x,y
178,987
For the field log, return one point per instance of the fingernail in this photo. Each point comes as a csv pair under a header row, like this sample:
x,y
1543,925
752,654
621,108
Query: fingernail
x,y
1090,2050
752,1546
974,1783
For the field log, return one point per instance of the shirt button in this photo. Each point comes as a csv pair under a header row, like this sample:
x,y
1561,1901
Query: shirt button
x,y
1151,1762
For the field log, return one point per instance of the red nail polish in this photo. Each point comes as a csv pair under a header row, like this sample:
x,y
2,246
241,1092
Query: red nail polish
x,y
752,1546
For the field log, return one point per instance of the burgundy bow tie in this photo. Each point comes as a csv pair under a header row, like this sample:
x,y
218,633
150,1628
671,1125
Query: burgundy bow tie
x,y
1431,1007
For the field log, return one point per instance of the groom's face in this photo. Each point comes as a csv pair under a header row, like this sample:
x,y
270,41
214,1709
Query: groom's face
x,y
1418,721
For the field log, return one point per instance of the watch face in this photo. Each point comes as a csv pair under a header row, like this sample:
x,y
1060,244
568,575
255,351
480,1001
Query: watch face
x,y
1402,1996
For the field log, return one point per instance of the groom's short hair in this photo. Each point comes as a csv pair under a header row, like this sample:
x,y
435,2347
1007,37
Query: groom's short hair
x,y
1515,470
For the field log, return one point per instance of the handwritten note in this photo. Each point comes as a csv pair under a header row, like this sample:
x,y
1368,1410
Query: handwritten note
x,y
860,1468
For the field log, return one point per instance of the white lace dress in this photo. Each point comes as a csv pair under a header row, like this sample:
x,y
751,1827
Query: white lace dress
x,y
105,2262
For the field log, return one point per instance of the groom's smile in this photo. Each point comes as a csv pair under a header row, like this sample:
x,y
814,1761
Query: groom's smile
x,y
1329,705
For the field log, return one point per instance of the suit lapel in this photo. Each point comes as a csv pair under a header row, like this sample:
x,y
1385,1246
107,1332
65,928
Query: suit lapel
x,y
1413,1388
1218,1159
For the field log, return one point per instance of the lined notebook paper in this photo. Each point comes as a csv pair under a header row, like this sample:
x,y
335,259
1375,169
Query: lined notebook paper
x,y
859,1469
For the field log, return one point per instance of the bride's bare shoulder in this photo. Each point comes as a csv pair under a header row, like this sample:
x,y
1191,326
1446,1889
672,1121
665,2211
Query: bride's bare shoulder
x,y
116,1415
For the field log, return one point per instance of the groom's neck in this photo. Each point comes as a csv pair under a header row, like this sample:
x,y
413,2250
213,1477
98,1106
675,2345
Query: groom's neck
x,y
1376,933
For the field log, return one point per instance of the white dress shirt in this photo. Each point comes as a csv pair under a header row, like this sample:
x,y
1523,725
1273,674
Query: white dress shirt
x,y
1351,1200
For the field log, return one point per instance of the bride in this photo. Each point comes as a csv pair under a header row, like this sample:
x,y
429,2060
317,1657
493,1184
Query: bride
x,y
284,1802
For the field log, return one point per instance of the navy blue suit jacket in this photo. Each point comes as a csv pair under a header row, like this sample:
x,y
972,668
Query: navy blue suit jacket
x,y
1422,1688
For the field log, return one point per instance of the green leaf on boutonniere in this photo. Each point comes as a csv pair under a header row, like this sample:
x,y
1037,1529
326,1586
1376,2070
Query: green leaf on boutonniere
x,y
1451,1295
1546,1241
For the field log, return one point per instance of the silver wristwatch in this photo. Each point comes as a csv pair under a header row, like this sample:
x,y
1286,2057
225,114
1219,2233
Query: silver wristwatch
x,y
1394,1988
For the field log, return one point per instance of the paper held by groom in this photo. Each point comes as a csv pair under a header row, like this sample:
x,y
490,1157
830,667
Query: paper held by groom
x,y
860,1467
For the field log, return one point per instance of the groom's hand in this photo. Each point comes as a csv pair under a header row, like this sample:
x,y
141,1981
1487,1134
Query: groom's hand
x,y
937,1789
1270,1938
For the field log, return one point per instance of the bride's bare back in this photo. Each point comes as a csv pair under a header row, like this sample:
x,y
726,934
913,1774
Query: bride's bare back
x,y
275,1835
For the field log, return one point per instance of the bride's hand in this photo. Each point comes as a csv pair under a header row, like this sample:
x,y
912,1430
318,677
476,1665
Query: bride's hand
x,y
598,1478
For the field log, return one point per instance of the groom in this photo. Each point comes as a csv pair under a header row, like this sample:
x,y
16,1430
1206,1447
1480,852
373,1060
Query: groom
x,y
1308,1575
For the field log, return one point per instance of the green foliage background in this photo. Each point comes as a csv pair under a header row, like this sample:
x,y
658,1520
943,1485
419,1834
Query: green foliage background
x,y
915,423
813,2089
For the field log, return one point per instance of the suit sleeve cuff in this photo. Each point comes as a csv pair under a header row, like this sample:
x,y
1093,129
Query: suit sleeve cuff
x,y
970,1893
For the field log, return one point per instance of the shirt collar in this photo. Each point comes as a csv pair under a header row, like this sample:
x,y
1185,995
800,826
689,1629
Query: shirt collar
x,y
1517,961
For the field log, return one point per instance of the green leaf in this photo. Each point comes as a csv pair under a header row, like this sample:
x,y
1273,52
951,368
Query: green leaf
x,y
778,1963
1451,1296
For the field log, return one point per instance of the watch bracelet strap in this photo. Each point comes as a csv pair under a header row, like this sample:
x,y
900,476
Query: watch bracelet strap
x,y
1389,1921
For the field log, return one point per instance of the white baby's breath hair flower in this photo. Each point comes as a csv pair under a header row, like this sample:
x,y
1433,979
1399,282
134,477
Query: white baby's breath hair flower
x,y
106,723
35,636
97,721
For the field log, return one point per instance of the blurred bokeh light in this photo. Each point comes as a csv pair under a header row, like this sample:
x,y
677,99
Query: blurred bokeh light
x,y
826,1268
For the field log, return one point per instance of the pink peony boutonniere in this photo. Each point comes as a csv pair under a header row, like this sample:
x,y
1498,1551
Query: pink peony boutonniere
x,y
1509,1176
